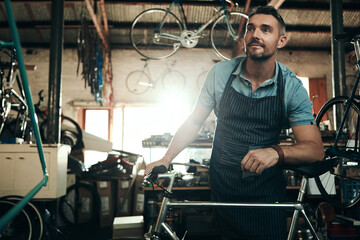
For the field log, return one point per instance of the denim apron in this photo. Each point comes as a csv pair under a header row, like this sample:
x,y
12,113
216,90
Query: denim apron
x,y
244,124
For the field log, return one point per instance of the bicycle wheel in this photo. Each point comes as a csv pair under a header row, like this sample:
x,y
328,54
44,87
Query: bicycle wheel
x,y
223,41
155,34
19,228
339,186
80,205
174,81
138,82
34,216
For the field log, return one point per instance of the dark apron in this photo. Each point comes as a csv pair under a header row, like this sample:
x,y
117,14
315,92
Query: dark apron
x,y
244,124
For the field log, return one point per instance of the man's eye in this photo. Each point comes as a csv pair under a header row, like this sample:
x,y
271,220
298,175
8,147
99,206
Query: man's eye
x,y
250,29
266,30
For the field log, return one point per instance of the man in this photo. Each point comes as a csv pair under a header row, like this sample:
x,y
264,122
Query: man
x,y
253,99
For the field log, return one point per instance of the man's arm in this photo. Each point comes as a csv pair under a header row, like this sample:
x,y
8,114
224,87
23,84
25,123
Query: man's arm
x,y
183,137
308,148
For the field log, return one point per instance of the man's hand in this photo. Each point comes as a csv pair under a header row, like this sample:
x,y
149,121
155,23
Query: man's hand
x,y
150,166
258,160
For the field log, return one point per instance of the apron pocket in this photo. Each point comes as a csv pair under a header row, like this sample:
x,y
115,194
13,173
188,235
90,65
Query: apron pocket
x,y
232,152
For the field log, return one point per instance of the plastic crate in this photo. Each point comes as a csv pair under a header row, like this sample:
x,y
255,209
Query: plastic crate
x,y
351,189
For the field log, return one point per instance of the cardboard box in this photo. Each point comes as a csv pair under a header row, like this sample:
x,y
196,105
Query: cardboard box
x,y
86,199
130,226
124,206
139,196
106,214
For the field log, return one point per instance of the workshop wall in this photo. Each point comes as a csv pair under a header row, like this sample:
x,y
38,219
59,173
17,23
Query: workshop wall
x,y
190,62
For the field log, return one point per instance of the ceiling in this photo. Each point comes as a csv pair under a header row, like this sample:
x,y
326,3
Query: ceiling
x,y
308,21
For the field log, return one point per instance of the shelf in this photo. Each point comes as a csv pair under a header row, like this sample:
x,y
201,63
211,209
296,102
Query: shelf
x,y
202,188
180,188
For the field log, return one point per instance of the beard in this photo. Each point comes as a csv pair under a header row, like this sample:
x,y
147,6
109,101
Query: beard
x,y
258,57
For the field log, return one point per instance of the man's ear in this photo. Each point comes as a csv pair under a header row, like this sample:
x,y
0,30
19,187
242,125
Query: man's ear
x,y
282,41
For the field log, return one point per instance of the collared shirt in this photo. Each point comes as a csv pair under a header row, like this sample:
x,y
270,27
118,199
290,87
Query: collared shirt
x,y
296,99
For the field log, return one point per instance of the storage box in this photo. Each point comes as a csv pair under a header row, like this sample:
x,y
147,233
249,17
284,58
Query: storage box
x,y
86,200
139,196
21,170
105,192
130,226
123,207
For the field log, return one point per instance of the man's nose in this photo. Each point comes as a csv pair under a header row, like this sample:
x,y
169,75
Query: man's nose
x,y
256,33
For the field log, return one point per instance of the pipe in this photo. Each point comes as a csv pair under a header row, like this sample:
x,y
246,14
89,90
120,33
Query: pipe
x,y
55,71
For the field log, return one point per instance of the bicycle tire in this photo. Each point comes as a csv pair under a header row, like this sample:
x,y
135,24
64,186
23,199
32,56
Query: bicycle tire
x,y
34,215
341,182
138,82
149,43
80,206
222,41
19,228
173,80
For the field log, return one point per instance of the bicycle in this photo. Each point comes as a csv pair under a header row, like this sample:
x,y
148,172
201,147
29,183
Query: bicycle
x,y
13,107
140,81
158,33
300,207
339,120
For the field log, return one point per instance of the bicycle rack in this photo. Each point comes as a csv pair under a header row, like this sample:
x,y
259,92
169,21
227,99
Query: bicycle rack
x,y
19,57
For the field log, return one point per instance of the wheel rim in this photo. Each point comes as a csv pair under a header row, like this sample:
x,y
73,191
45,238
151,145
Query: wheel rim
x,y
223,43
174,81
341,182
146,38
138,82
19,227
34,215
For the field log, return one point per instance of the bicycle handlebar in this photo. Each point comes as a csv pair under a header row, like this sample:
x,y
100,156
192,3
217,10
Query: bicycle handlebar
x,y
153,174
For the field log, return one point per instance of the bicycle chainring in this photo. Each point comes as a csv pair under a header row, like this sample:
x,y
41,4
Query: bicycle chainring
x,y
189,39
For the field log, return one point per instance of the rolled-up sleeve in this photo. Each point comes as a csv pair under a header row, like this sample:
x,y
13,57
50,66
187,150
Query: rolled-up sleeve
x,y
299,106
207,93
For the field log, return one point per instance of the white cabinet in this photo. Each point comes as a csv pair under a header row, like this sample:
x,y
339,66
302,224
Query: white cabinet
x,y
21,171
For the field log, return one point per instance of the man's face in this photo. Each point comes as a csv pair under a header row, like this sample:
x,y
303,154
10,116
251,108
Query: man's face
x,y
262,37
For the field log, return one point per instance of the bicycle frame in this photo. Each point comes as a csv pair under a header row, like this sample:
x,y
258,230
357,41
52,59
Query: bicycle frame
x,y
43,182
333,150
198,31
306,171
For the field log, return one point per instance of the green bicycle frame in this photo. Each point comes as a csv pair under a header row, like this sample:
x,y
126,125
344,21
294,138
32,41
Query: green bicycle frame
x,y
16,44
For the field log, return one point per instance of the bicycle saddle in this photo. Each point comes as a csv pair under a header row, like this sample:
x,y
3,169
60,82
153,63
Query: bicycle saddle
x,y
313,169
348,36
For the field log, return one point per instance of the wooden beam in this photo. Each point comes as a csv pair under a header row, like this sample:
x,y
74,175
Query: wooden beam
x,y
276,3
99,28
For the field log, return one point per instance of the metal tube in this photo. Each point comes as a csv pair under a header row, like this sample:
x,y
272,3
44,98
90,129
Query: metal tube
x,y
16,43
55,70
180,204
337,49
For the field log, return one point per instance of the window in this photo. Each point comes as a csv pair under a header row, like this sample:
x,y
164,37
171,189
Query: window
x,y
130,125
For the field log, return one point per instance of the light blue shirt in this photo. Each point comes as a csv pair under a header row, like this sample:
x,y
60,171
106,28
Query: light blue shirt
x,y
296,99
